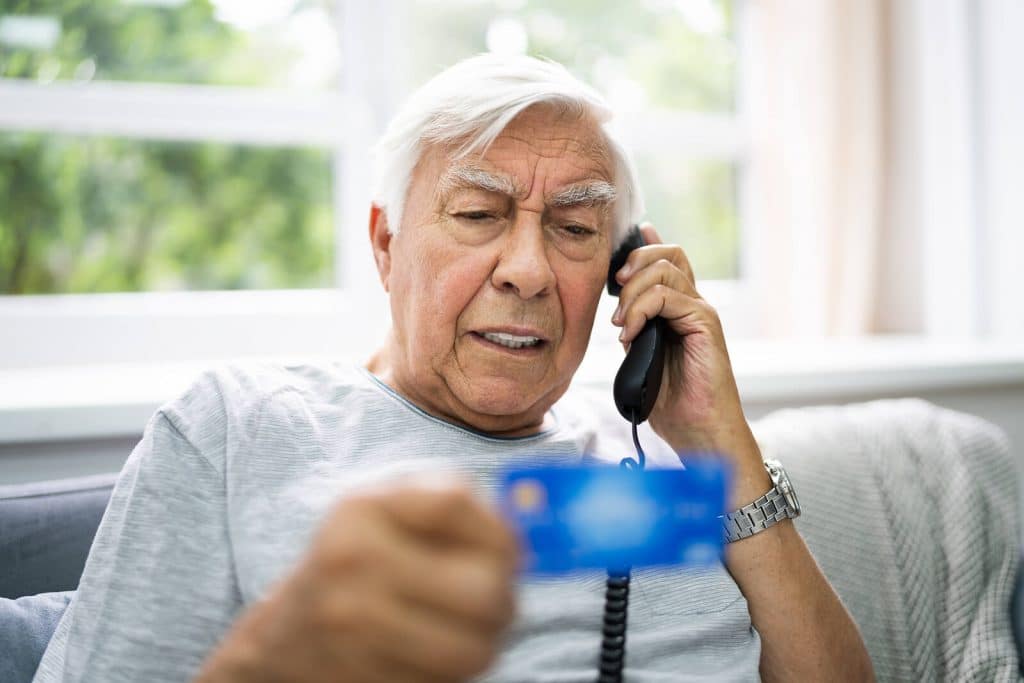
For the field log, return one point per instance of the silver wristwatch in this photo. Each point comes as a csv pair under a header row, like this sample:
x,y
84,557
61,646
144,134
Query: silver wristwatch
x,y
778,504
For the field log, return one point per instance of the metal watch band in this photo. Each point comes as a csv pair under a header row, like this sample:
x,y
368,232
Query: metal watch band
x,y
756,517
769,509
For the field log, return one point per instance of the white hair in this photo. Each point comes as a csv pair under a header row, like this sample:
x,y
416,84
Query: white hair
x,y
469,104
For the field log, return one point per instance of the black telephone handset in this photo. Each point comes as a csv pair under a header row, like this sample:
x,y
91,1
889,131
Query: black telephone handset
x,y
639,378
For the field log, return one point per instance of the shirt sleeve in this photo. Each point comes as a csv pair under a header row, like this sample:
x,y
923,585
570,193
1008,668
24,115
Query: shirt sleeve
x,y
158,590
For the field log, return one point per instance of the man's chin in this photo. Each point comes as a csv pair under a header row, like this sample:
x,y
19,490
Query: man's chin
x,y
499,399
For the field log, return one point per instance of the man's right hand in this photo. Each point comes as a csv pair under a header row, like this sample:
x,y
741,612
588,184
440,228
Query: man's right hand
x,y
414,582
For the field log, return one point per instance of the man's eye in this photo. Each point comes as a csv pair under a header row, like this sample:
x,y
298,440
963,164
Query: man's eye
x,y
578,230
476,215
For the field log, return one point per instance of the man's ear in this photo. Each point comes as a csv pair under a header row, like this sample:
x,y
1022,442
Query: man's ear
x,y
380,241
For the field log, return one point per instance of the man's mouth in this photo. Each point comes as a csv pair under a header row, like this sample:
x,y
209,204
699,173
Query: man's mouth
x,y
511,341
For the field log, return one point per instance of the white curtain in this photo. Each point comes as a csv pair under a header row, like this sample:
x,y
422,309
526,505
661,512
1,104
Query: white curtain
x,y
931,261
1000,56
884,192
816,108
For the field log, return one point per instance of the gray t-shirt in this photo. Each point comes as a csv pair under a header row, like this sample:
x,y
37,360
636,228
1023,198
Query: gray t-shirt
x,y
222,495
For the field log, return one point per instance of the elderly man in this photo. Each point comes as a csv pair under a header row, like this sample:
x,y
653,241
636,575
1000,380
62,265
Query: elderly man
x,y
271,525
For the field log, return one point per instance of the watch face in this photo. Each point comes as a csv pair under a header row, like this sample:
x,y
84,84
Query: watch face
x,y
782,482
790,494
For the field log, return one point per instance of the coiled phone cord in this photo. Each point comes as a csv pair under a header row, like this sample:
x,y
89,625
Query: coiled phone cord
x,y
616,598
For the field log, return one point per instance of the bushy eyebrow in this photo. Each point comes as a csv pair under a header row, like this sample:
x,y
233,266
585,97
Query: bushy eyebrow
x,y
590,193
593,193
473,177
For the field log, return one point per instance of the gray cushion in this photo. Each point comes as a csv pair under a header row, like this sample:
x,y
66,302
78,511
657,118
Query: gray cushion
x,y
46,530
912,513
25,628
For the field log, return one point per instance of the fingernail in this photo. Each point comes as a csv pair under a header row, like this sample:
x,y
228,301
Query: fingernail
x,y
624,270
617,313
622,334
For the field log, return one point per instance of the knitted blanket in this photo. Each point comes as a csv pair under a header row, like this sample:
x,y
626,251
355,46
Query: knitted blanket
x,y
912,512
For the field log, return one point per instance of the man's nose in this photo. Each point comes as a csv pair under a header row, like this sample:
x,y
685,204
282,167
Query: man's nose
x,y
523,265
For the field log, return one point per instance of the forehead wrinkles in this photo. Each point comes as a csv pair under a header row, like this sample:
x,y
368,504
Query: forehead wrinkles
x,y
548,144
577,142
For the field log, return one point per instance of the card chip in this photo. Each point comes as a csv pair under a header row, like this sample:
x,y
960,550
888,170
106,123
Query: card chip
x,y
528,495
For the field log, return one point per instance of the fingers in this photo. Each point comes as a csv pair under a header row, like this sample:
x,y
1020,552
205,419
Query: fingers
x,y
657,280
661,272
452,514
437,546
685,314
654,250
470,584
429,643
373,632
440,509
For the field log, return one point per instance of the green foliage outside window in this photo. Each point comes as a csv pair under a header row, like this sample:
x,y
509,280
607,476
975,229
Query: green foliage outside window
x,y
106,215
88,214
125,40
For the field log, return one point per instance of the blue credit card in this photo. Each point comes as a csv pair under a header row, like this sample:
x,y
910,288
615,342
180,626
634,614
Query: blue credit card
x,y
572,518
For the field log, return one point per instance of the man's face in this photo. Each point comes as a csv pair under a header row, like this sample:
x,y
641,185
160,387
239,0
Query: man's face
x,y
497,270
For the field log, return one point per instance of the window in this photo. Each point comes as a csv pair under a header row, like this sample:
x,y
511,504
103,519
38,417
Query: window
x,y
154,149
99,214
276,44
195,210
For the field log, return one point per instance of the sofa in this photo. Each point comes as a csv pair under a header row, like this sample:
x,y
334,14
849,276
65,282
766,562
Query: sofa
x,y
910,509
